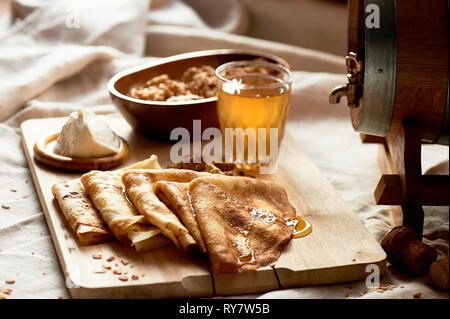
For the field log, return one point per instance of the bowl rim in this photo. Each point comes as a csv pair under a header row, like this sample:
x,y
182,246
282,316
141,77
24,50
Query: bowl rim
x,y
194,54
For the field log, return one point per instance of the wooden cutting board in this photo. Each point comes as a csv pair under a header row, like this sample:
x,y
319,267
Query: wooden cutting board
x,y
338,249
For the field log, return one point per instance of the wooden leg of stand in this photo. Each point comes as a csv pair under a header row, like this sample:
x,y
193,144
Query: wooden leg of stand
x,y
402,185
413,218
386,167
405,156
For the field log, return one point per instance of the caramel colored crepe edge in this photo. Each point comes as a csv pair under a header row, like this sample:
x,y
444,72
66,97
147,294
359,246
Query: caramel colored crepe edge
x,y
81,215
180,206
140,191
213,219
91,234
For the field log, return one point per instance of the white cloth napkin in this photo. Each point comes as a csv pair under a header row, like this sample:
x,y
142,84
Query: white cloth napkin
x,y
59,39
225,15
50,67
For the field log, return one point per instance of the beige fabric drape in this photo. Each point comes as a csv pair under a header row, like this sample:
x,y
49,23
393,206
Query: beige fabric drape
x,y
48,68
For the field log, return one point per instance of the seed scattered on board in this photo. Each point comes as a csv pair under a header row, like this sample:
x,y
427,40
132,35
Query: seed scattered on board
x,y
100,271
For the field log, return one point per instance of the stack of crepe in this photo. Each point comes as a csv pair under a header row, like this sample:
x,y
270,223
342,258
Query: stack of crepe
x,y
241,223
97,209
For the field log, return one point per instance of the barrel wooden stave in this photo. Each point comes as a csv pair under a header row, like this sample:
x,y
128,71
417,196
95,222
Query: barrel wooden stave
x,y
422,63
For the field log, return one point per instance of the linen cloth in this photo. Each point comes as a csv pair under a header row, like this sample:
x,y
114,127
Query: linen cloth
x,y
56,56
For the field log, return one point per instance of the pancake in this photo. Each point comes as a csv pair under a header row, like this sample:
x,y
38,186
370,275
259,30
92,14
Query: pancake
x,y
176,197
243,221
151,162
81,215
139,189
106,191
168,174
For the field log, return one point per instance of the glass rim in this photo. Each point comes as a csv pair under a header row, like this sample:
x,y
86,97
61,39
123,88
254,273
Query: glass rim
x,y
276,66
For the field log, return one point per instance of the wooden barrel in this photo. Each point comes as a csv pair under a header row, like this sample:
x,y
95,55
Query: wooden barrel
x,y
398,66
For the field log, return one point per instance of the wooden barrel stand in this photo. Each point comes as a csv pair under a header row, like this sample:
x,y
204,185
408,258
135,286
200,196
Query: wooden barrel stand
x,y
398,93
402,184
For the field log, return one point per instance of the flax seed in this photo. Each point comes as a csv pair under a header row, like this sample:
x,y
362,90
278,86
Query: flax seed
x,y
100,271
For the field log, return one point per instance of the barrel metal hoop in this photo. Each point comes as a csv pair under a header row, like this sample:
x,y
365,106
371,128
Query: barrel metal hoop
x,y
443,136
380,68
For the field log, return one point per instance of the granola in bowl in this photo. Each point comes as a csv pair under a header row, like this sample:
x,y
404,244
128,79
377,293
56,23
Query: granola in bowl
x,y
196,83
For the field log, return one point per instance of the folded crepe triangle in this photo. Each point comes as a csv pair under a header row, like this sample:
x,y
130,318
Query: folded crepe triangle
x,y
87,222
139,185
176,197
244,222
105,189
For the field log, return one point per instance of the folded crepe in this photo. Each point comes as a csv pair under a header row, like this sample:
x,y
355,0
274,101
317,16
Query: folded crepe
x,y
243,221
107,192
81,215
176,197
139,189
201,167
151,162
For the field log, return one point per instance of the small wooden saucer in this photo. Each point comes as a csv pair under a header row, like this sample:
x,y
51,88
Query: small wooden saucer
x,y
43,152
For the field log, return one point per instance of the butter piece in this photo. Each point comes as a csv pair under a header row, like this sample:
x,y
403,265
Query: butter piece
x,y
86,135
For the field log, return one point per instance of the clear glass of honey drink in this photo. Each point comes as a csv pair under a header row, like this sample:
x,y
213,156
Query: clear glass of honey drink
x,y
252,105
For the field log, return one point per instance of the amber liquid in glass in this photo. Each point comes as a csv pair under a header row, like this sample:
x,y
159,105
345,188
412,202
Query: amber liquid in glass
x,y
253,107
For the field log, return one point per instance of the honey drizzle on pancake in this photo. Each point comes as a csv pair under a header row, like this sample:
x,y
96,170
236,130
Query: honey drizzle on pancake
x,y
247,255
301,227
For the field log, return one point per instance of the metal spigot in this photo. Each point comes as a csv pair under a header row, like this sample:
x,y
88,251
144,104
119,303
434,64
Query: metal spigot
x,y
353,89
337,93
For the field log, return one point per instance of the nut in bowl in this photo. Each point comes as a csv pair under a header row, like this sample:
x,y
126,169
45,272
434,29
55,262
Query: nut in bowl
x,y
182,97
